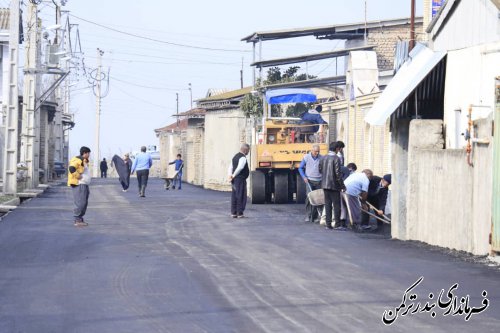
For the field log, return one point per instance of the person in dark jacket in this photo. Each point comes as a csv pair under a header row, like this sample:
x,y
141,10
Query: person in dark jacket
x,y
123,167
377,196
332,183
238,173
104,168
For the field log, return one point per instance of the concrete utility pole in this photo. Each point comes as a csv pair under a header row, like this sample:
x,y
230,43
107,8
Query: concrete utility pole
x,y
98,113
30,121
12,102
191,94
412,26
241,73
177,100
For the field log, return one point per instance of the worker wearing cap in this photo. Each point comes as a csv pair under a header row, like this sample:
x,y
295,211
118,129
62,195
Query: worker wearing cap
x,y
377,197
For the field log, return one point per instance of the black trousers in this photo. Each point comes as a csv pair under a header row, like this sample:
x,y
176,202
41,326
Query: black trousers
x,y
332,200
238,196
375,201
312,212
142,178
104,173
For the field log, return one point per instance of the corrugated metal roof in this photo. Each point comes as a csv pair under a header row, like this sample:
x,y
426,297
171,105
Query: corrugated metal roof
x,y
309,57
216,91
227,95
192,112
332,80
421,62
182,125
327,30
4,19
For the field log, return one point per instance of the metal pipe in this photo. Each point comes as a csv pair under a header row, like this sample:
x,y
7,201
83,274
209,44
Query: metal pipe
x,y
412,26
468,148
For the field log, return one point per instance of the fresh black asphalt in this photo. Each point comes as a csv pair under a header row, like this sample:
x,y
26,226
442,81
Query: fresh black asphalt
x,y
175,261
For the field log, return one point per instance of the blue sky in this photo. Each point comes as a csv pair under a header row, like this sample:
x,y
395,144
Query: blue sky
x,y
146,75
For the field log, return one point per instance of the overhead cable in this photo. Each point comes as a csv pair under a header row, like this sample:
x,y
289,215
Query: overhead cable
x,y
158,40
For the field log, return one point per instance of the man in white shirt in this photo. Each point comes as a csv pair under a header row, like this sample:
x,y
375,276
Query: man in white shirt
x,y
238,173
356,188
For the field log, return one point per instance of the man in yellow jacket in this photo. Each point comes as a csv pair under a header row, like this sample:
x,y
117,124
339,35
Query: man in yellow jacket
x,y
79,180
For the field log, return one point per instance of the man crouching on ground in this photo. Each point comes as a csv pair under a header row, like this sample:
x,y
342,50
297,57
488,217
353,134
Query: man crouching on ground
x,y
79,180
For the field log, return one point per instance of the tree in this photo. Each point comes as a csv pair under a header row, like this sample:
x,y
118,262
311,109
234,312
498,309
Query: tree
x,y
252,105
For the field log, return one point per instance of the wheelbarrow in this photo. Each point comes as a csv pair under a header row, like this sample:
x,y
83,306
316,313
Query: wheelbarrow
x,y
317,201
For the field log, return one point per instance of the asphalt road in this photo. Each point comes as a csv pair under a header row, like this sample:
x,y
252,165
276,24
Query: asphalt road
x,y
176,262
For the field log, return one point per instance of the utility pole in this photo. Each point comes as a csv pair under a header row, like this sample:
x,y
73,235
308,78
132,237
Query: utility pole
x,y
30,125
241,73
12,102
191,94
98,113
177,100
366,23
412,26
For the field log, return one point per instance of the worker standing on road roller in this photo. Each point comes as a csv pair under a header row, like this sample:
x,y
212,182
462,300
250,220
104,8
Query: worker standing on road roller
x,y
238,173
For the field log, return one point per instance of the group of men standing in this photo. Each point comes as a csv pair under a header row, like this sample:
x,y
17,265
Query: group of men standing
x,y
346,192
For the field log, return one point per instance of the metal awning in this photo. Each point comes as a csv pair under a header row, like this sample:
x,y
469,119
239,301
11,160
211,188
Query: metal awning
x,y
420,63
337,31
309,57
296,95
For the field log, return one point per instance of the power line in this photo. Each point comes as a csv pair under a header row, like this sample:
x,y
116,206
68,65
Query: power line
x,y
140,99
157,40
171,63
142,86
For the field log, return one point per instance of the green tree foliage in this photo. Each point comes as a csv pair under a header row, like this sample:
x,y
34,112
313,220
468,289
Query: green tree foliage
x,y
252,105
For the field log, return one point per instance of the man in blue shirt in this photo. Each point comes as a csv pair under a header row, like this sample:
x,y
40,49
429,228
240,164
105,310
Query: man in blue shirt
x,y
179,164
142,163
309,171
312,117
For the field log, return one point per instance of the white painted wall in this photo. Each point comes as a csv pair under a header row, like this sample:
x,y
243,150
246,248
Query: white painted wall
x,y
224,133
470,79
473,22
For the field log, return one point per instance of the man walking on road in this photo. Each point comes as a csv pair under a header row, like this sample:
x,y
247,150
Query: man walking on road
x,y
238,173
142,163
309,171
104,168
79,181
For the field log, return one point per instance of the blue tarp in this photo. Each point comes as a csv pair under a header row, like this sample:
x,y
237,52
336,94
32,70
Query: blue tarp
x,y
292,95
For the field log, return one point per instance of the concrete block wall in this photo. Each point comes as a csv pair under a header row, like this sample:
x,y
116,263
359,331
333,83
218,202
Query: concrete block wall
x,y
221,145
448,202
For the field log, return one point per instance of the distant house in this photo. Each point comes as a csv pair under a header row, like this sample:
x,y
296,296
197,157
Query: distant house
x,y
185,137
225,130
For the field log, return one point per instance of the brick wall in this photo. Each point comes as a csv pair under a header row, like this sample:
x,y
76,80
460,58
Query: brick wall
x,y
385,39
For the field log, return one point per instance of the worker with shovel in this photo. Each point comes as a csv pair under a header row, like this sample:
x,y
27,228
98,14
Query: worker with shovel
x,y
377,199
